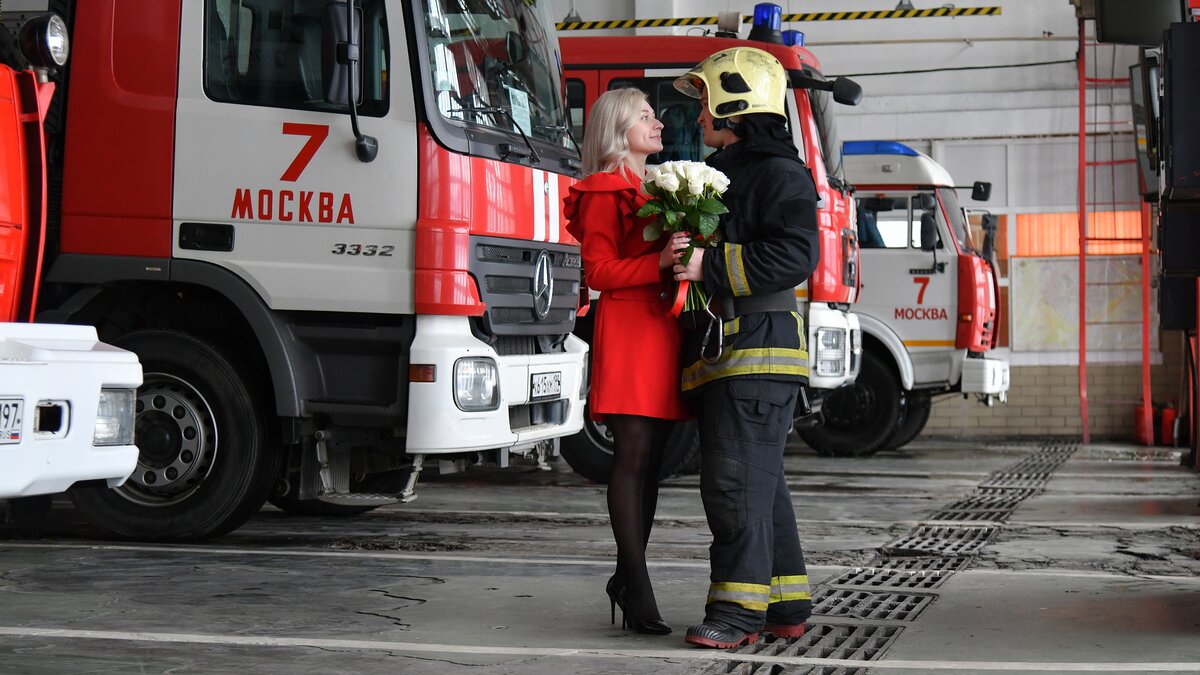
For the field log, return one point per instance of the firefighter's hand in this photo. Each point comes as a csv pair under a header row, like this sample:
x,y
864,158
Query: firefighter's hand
x,y
694,270
675,247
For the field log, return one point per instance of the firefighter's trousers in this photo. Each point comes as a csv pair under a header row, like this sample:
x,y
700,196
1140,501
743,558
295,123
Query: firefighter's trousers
x,y
758,574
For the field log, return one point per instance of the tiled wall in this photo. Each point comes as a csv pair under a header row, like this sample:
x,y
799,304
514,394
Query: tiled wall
x,y
1044,400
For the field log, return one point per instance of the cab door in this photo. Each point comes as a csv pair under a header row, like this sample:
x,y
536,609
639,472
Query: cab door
x,y
267,181
912,291
22,194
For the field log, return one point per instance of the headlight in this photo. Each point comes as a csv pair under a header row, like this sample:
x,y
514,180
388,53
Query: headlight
x,y
476,385
44,41
831,352
114,417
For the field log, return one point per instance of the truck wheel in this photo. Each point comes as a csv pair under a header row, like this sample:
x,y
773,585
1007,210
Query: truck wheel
x,y
590,452
862,418
204,466
917,406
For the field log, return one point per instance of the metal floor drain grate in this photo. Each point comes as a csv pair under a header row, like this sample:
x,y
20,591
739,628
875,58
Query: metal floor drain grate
x,y
822,641
1000,490
969,515
900,574
1012,479
861,604
927,539
991,501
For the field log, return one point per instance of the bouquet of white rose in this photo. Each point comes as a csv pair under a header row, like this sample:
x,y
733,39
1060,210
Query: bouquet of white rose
x,y
685,198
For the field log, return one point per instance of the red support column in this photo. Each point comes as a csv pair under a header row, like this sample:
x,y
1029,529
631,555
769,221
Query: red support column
x,y
1146,420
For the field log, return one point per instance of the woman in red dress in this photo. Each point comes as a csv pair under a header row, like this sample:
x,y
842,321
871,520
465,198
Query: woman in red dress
x,y
635,348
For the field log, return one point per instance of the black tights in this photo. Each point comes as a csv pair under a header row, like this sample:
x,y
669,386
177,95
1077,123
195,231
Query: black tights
x,y
632,500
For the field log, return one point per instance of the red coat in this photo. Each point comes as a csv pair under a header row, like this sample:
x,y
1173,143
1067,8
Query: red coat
x,y
635,347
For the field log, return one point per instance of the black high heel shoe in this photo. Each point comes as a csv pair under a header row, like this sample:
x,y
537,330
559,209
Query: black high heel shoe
x,y
614,588
653,626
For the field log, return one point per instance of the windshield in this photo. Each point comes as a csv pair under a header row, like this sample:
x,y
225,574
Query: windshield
x,y
957,220
496,63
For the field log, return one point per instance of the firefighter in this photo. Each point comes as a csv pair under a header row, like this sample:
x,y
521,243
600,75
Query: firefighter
x,y
744,369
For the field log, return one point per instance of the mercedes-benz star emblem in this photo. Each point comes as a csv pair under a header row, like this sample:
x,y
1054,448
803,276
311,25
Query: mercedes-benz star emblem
x,y
543,285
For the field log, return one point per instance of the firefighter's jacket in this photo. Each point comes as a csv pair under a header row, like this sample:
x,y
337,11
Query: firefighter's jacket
x,y
771,244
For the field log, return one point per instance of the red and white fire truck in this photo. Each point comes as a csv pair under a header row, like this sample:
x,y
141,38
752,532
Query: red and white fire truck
x,y
66,399
331,232
928,304
651,63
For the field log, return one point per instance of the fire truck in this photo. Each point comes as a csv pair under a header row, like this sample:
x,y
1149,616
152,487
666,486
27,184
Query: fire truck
x,y
66,399
928,303
651,63
330,231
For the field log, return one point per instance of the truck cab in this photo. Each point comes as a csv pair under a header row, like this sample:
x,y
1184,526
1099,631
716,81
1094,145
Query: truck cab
x,y
651,63
928,303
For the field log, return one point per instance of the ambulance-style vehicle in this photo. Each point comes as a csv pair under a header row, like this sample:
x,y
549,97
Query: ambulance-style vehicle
x,y
928,303
651,63
66,399
331,232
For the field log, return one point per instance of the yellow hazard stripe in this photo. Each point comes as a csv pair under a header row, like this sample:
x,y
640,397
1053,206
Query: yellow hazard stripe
x,y
807,16
929,343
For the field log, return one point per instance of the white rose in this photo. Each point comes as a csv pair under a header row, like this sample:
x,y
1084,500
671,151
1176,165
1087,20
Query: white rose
x,y
667,182
695,178
720,182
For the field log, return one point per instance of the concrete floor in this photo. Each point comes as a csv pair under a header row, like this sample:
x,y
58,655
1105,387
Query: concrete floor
x,y
1096,568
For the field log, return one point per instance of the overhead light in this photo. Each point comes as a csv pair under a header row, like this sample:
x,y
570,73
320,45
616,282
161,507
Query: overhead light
x,y
573,15
904,4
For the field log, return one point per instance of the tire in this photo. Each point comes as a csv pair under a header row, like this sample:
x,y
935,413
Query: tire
x,y
917,406
388,482
862,418
204,465
590,452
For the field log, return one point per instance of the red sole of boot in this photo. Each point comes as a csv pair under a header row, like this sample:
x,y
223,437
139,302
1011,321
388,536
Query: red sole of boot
x,y
786,631
747,639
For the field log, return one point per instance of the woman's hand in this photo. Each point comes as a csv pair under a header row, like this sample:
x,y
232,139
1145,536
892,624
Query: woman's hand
x,y
694,269
675,247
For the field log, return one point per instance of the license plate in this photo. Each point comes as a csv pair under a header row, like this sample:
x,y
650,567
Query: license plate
x,y
10,420
545,385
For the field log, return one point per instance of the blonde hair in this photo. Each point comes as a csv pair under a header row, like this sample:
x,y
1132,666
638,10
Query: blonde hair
x,y
605,141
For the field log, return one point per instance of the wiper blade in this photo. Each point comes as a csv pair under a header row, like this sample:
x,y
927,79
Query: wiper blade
x,y
506,149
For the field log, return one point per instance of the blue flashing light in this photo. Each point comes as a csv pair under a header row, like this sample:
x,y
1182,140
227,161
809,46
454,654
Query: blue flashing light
x,y
793,38
877,148
769,15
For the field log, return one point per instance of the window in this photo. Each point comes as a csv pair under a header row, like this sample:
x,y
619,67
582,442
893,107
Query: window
x,y
576,103
888,222
495,63
269,53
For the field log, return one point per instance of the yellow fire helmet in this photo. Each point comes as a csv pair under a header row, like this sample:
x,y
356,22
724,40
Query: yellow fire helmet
x,y
739,80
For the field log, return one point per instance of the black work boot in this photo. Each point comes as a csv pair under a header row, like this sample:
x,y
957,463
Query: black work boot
x,y
718,635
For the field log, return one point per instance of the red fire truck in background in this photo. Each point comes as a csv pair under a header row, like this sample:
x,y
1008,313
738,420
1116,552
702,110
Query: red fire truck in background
x,y
651,63
331,232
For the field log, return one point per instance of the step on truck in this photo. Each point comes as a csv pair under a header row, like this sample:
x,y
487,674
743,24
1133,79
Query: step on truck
x,y
651,63
928,303
331,232
66,399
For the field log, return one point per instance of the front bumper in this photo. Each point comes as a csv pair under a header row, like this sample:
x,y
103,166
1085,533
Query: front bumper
x,y
438,427
985,376
62,369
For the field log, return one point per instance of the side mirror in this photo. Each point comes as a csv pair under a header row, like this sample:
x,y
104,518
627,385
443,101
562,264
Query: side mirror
x,y
929,233
514,47
846,91
926,201
336,50
981,191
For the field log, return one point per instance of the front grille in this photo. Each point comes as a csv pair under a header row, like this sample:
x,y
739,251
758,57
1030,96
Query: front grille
x,y
505,270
